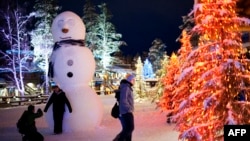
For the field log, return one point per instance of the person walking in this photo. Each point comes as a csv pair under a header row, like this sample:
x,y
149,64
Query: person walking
x,y
58,99
27,124
126,107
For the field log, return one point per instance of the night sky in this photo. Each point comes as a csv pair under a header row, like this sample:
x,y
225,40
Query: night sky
x,y
141,21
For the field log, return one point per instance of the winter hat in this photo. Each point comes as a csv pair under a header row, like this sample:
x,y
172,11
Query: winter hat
x,y
130,77
31,108
55,86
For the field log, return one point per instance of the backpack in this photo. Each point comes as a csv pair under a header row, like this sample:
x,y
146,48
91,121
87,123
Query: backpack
x,y
22,124
115,109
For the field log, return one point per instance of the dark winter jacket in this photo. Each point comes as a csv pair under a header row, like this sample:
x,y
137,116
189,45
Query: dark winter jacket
x,y
126,102
59,101
28,117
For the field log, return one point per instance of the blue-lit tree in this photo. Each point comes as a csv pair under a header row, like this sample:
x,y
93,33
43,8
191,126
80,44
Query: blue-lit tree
x,y
18,58
148,70
41,36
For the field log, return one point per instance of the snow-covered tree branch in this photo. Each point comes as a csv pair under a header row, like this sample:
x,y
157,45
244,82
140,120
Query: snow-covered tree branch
x,y
18,56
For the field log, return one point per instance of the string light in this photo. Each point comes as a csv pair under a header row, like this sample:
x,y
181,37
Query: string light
x,y
212,76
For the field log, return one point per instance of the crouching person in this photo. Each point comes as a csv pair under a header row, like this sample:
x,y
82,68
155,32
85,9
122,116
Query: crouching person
x,y
27,125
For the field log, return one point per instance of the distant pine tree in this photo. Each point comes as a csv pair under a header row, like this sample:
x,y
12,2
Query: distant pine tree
x,y
41,36
102,36
188,25
156,54
89,19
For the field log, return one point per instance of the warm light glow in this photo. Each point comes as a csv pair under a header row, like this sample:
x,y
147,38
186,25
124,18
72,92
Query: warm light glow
x,y
203,91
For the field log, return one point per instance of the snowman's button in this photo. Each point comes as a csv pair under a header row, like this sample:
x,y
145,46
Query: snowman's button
x,y
70,74
70,62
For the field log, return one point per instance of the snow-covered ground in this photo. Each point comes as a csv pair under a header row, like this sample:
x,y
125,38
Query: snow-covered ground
x,y
150,125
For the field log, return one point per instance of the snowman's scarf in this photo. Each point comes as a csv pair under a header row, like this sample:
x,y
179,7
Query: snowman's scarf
x,y
58,45
70,41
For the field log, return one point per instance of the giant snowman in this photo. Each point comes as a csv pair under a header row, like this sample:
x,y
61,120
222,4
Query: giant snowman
x,y
73,67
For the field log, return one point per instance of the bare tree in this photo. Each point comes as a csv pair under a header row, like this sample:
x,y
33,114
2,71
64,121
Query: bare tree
x,y
18,56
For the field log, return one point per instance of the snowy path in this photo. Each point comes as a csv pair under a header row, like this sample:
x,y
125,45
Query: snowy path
x,y
150,125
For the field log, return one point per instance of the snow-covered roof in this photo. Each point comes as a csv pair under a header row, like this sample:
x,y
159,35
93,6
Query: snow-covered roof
x,y
151,79
2,81
120,69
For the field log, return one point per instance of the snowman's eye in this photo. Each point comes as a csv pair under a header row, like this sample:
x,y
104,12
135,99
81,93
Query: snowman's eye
x,y
70,62
60,23
71,22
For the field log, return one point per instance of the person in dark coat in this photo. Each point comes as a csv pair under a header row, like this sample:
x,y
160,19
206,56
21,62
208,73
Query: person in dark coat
x,y
126,107
30,131
58,99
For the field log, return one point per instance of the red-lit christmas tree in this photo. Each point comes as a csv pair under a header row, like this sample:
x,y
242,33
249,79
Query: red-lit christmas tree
x,y
172,68
214,77
170,80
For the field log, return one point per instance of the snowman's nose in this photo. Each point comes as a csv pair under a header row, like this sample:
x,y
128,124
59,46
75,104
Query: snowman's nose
x,y
65,30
